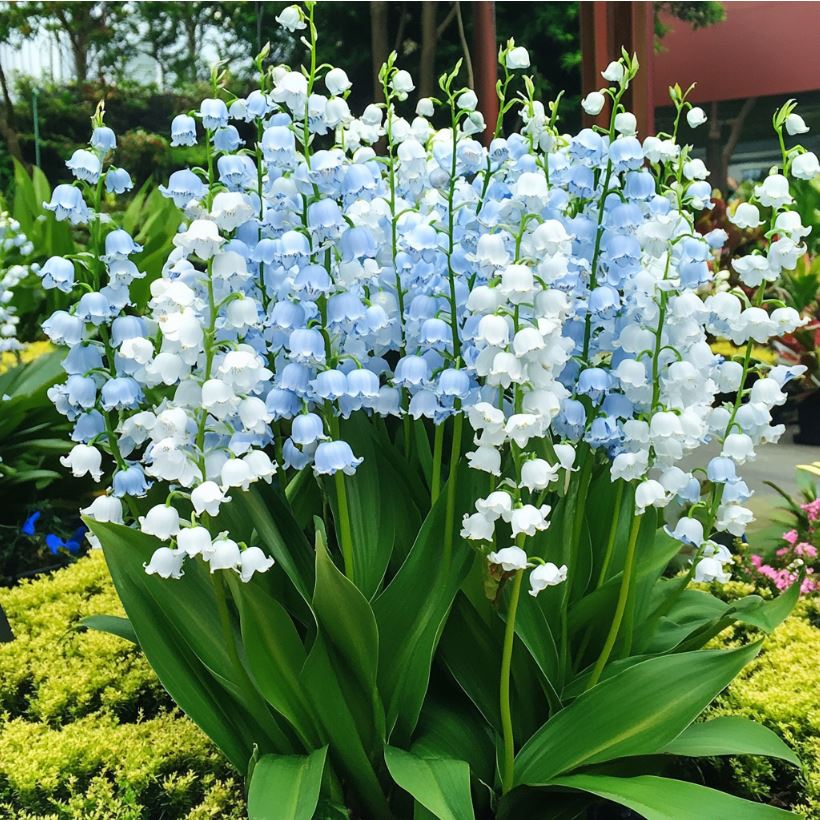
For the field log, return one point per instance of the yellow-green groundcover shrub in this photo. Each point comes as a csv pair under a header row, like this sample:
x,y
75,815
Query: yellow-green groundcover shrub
x,y
86,731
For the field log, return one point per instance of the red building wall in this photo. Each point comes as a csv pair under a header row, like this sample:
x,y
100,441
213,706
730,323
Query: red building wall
x,y
761,48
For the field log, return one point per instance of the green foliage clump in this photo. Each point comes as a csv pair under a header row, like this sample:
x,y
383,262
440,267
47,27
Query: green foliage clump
x,y
779,689
86,730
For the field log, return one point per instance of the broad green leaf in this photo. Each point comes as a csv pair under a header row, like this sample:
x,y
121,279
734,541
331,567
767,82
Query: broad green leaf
x,y
467,637
636,712
276,528
286,787
661,798
369,501
729,735
339,679
597,607
346,725
442,786
347,622
178,629
452,729
543,804
412,610
532,626
113,624
767,615
275,655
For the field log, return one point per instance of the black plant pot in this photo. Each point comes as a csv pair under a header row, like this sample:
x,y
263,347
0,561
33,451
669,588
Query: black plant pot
x,y
808,419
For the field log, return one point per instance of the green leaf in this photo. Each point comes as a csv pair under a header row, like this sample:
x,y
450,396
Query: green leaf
x,y
767,615
347,621
730,735
661,798
176,625
442,786
636,712
286,787
412,610
339,679
113,624
345,724
266,511
369,501
452,729
275,655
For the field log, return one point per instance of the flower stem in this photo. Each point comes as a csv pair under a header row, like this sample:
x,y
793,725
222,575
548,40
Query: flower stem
x,y
345,534
449,521
620,607
435,479
504,687
613,531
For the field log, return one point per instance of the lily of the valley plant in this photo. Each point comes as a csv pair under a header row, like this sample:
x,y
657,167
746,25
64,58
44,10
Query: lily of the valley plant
x,y
398,506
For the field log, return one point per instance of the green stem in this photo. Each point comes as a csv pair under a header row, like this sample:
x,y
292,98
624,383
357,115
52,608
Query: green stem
x,y
571,547
613,531
449,522
435,479
620,607
504,687
345,534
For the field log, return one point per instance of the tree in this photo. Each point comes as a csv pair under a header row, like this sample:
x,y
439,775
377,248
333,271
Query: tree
x,y
89,29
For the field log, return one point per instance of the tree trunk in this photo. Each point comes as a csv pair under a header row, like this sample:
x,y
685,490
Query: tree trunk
x,y
379,43
7,129
427,58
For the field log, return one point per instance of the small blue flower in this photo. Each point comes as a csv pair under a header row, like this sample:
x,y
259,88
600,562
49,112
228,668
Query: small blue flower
x,y
82,359
330,385
307,429
362,384
67,203
54,543
88,427
278,144
453,383
121,393
130,481
119,245
29,523
183,130
227,139
214,113
411,371
103,139
127,327
334,456
58,273
594,382
721,470
183,186
63,328
82,391
118,181
94,308
307,345
84,165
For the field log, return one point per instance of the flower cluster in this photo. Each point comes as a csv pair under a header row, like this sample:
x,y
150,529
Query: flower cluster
x,y
550,289
798,554
14,247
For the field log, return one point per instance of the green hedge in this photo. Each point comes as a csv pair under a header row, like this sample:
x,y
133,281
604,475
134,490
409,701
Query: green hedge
x,y
86,731
779,689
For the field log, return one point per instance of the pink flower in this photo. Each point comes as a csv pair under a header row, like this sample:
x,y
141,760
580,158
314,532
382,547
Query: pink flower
x,y
812,509
790,537
805,550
